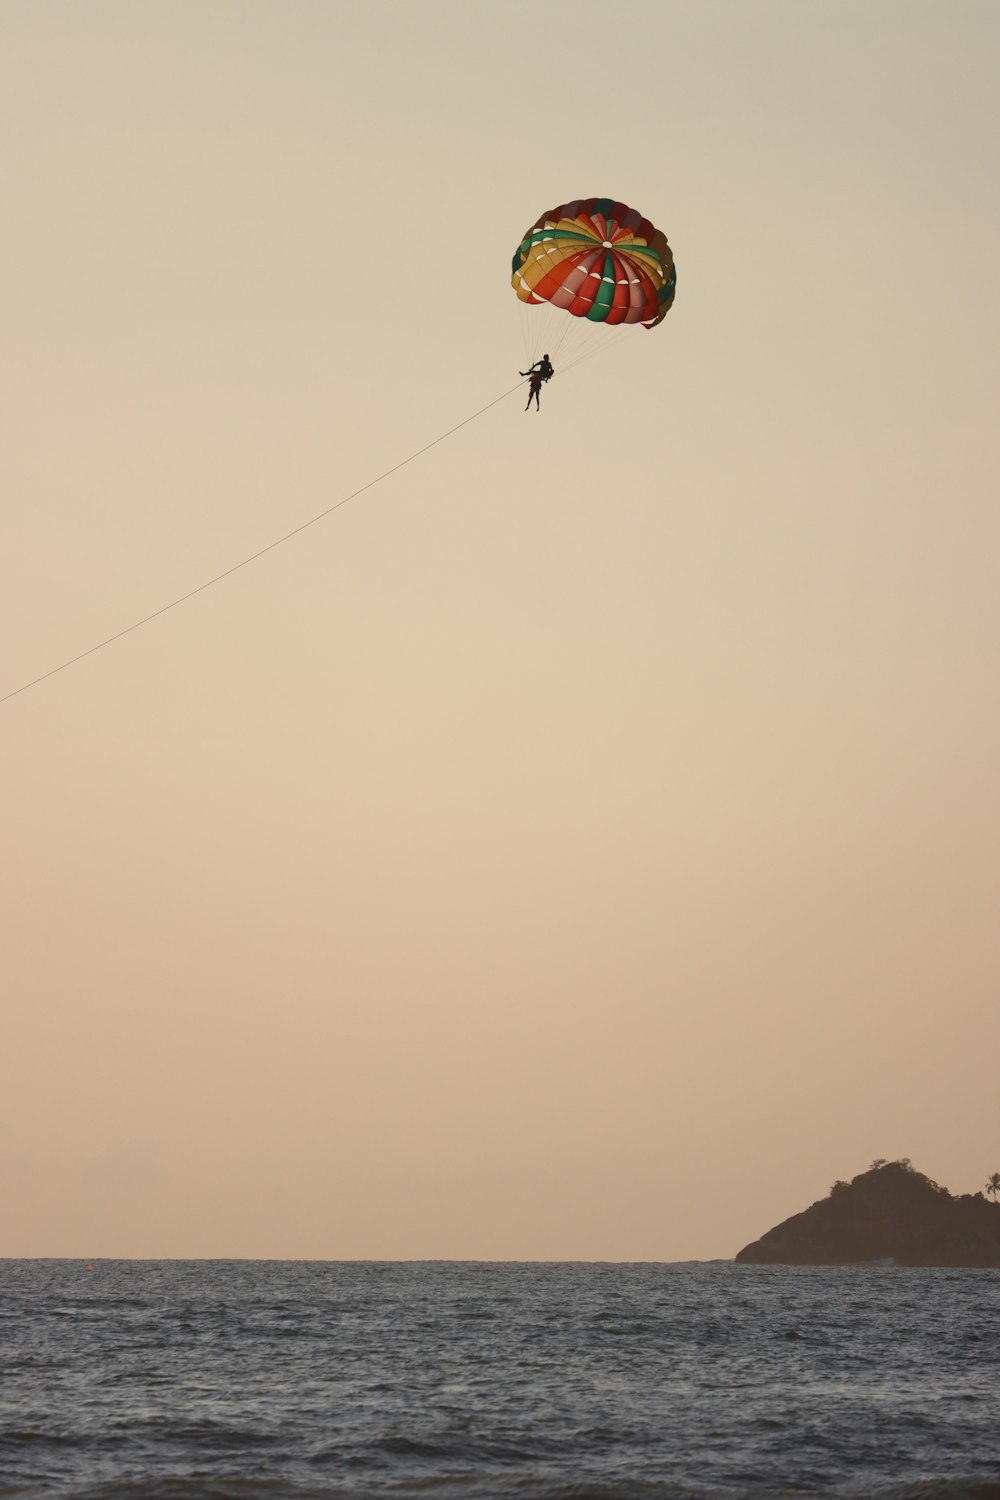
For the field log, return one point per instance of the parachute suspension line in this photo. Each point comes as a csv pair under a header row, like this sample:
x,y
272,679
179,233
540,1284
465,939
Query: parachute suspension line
x,y
589,336
567,323
529,333
535,329
592,351
261,551
575,336
565,337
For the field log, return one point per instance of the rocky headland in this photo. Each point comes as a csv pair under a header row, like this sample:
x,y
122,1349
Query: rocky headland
x,y
890,1213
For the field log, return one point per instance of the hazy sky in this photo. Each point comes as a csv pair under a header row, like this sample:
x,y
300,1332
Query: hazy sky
x,y
585,843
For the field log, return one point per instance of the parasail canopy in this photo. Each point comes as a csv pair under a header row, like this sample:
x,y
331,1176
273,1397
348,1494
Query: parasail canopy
x,y
597,259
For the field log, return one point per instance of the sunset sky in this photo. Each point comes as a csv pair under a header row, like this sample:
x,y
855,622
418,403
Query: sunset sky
x,y
584,844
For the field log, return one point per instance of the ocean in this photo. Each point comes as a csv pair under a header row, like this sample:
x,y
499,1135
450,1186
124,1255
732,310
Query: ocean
x,y
261,1380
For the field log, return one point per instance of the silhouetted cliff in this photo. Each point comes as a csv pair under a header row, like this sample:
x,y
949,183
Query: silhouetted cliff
x,y
890,1212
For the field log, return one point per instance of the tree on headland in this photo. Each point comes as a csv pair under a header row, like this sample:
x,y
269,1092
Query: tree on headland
x,y
993,1186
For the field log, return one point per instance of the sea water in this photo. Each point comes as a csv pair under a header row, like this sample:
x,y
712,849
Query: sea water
x,y
263,1380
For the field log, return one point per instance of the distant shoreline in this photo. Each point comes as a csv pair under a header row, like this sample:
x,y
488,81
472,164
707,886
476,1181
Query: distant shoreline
x,y
891,1215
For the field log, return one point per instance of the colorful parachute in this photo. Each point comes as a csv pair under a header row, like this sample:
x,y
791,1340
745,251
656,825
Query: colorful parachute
x,y
598,259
